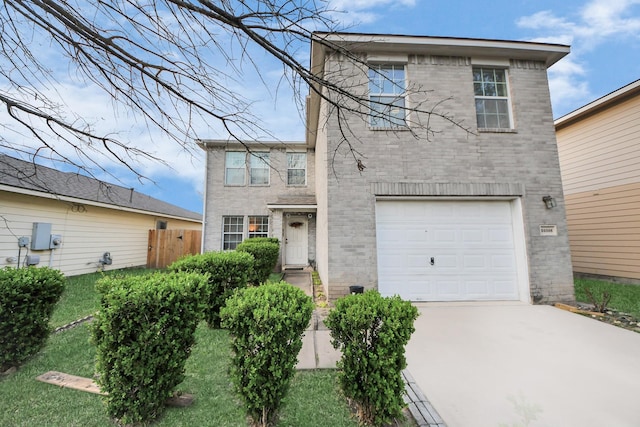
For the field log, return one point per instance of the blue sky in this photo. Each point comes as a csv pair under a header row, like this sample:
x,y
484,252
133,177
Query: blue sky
x,y
605,55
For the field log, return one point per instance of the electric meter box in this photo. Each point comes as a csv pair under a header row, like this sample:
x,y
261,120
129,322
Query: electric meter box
x,y
41,236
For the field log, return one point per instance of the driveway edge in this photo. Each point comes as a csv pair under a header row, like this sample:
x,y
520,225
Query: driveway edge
x,y
421,409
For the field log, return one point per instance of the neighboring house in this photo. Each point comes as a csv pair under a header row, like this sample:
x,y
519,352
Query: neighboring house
x,y
69,221
599,147
457,216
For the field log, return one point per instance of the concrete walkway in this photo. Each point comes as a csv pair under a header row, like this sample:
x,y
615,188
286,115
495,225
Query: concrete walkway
x,y
317,351
511,364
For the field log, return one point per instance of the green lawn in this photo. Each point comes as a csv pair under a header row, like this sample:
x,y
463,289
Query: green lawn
x,y
314,398
80,298
625,298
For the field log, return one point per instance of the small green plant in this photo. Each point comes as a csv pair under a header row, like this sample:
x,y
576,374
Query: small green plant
x,y
143,333
266,325
320,298
226,272
371,331
600,302
27,299
265,251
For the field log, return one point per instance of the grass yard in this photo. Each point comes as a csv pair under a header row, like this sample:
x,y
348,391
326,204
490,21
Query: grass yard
x,y
314,398
80,298
624,298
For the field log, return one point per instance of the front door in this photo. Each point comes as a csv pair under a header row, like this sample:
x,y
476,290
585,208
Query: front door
x,y
296,240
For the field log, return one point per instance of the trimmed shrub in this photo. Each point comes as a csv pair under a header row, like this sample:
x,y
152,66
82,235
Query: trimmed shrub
x,y
227,271
372,331
266,325
265,251
144,332
27,299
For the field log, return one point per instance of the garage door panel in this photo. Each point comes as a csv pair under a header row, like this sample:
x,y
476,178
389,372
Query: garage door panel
x,y
449,289
506,288
474,262
471,243
477,288
503,262
473,236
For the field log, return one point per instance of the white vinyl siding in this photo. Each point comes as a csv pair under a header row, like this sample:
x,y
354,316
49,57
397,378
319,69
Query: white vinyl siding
x,y
87,232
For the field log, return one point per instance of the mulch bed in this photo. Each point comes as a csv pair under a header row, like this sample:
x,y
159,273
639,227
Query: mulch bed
x,y
612,317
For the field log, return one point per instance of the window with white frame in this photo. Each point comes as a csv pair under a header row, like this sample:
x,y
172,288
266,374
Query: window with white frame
x,y
258,226
232,231
492,98
235,164
259,169
296,168
386,95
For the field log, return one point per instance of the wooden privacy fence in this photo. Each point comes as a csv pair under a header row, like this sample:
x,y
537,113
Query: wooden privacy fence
x,y
166,246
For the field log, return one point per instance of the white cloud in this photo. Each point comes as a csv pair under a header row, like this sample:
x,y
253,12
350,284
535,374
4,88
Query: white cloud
x,y
594,24
351,12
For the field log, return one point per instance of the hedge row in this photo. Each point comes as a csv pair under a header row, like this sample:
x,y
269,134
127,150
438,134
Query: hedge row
x,y
27,299
265,251
226,271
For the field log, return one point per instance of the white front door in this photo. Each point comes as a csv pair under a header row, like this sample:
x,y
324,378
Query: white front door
x,y
296,240
447,250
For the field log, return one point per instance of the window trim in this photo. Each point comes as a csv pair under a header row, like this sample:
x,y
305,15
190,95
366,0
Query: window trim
x,y
378,121
226,169
259,157
264,222
230,233
306,163
505,69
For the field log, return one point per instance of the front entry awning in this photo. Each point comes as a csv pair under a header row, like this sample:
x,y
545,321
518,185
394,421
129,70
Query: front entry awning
x,y
304,203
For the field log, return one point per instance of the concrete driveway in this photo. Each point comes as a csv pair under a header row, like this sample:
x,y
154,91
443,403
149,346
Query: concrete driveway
x,y
511,364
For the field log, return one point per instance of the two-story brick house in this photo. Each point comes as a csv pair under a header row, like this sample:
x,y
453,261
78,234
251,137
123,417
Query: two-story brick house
x,y
435,213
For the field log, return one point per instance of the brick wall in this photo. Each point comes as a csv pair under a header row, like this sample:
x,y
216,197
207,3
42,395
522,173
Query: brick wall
x,y
526,158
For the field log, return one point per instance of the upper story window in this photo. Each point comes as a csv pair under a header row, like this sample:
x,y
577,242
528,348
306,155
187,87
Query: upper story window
x,y
492,98
259,169
296,168
234,173
386,95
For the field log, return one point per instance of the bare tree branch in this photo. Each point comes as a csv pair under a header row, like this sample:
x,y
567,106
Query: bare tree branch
x,y
176,64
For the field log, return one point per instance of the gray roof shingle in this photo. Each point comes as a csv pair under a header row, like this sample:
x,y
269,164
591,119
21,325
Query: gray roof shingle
x,y
28,175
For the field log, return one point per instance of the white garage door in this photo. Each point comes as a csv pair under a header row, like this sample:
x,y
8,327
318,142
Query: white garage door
x,y
446,250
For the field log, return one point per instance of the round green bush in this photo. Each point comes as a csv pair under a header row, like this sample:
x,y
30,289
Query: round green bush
x,y
371,331
266,325
27,299
143,333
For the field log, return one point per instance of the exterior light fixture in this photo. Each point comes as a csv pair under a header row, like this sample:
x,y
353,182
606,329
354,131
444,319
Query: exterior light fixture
x,y
549,202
